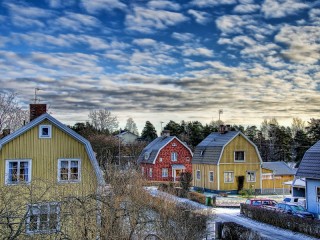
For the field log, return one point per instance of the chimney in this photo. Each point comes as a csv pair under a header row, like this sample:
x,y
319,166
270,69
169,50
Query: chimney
x,y
165,133
5,132
37,110
221,129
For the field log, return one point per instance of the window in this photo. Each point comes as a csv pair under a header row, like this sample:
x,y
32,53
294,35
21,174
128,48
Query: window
x,y
174,156
251,176
146,156
318,194
150,172
228,177
211,176
160,159
43,217
239,156
142,171
164,172
174,144
45,131
201,152
69,170
18,171
266,176
198,175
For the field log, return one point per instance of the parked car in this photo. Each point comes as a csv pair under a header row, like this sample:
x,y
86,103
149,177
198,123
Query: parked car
x,y
261,202
296,200
295,210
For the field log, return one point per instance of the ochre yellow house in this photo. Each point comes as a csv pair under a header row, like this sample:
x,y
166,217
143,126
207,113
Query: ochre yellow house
x,y
226,161
274,175
44,167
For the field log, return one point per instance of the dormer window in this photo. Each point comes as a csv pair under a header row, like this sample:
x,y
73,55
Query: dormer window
x,y
201,152
146,156
45,131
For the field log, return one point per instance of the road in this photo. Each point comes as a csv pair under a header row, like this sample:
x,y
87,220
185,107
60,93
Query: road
x,y
265,230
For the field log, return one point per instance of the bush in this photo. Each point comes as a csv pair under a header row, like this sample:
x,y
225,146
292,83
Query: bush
x,y
197,197
283,220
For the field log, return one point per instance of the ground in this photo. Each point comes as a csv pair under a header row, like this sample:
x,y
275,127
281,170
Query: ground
x,y
233,215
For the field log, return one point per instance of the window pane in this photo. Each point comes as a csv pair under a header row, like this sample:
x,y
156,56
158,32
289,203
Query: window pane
x,y
74,170
33,222
45,131
23,174
64,170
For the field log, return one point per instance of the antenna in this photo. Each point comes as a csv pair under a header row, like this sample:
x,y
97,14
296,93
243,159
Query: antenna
x,y
36,99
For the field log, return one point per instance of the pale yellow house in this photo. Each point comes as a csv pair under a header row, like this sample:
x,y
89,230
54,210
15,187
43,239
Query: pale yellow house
x,y
226,161
46,163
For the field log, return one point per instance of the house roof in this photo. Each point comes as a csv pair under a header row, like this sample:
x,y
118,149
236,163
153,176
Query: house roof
x,y
150,153
310,163
278,168
63,128
209,151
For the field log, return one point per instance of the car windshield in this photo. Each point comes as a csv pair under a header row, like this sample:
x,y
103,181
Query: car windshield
x,y
297,208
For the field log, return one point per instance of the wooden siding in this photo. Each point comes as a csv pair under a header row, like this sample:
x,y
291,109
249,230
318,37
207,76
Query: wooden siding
x,y
44,154
277,182
204,176
251,163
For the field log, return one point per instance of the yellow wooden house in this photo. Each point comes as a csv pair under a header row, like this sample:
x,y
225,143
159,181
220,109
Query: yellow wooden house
x,y
226,161
274,175
44,165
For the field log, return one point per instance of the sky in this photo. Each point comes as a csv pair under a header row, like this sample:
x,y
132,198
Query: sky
x,y
159,60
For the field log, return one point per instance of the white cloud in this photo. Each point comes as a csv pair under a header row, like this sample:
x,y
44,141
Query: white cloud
x,y
184,37
151,59
233,23
19,21
314,15
163,4
211,3
282,8
147,20
246,8
200,17
76,22
200,51
145,42
103,5
29,12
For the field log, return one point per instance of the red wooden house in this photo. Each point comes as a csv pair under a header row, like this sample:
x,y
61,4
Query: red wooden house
x,y
165,158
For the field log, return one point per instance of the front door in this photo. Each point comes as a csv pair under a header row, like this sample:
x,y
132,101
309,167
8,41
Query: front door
x,y
176,174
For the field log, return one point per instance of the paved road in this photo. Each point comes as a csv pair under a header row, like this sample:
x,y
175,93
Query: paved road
x,y
265,230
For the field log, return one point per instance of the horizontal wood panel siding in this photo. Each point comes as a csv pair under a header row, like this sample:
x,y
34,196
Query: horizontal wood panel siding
x,y
264,170
277,182
251,163
204,172
45,153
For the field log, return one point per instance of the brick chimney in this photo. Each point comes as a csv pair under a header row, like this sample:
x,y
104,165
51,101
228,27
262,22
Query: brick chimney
x,y
224,129
37,110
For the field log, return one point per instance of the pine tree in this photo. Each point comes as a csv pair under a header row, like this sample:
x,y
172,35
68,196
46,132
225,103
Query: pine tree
x,y
149,132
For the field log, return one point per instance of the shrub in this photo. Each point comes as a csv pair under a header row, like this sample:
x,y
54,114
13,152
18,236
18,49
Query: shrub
x,y
197,197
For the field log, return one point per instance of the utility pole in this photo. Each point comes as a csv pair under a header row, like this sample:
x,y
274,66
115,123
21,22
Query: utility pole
x,y
220,112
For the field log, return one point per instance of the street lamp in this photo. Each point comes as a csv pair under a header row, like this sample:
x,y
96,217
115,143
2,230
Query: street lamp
x,y
220,112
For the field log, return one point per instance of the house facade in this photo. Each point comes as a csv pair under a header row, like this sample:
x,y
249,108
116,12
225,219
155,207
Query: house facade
x,y
274,177
165,158
43,164
127,137
226,161
309,169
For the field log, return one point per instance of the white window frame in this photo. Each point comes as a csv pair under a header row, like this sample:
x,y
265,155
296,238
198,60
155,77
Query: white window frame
x,y
234,156
226,177
249,176
8,161
174,156
211,174
49,206
49,131
150,172
69,180
165,172
146,156
198,174
174,144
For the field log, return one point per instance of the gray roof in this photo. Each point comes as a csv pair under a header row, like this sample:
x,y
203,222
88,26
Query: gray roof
x,y
65,129
278,168
152,150
310,163
209,150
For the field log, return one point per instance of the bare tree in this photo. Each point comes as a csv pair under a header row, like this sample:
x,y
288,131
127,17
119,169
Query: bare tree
x,y
131,126
103,120
11,114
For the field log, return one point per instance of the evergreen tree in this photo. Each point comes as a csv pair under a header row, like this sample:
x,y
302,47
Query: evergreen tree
x,y
301,144
313,130
149,132
175,128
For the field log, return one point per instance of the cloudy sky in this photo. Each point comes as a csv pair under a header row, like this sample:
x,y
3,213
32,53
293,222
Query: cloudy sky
x,y
164,60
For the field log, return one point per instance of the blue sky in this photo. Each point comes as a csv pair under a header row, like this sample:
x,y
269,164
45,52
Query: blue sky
x,y
164,60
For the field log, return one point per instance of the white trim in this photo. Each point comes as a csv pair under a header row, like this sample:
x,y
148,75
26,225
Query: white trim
x,y
49,131
69,162
198,179
173,137
255,175
218,177
6,180
167,171
49,206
